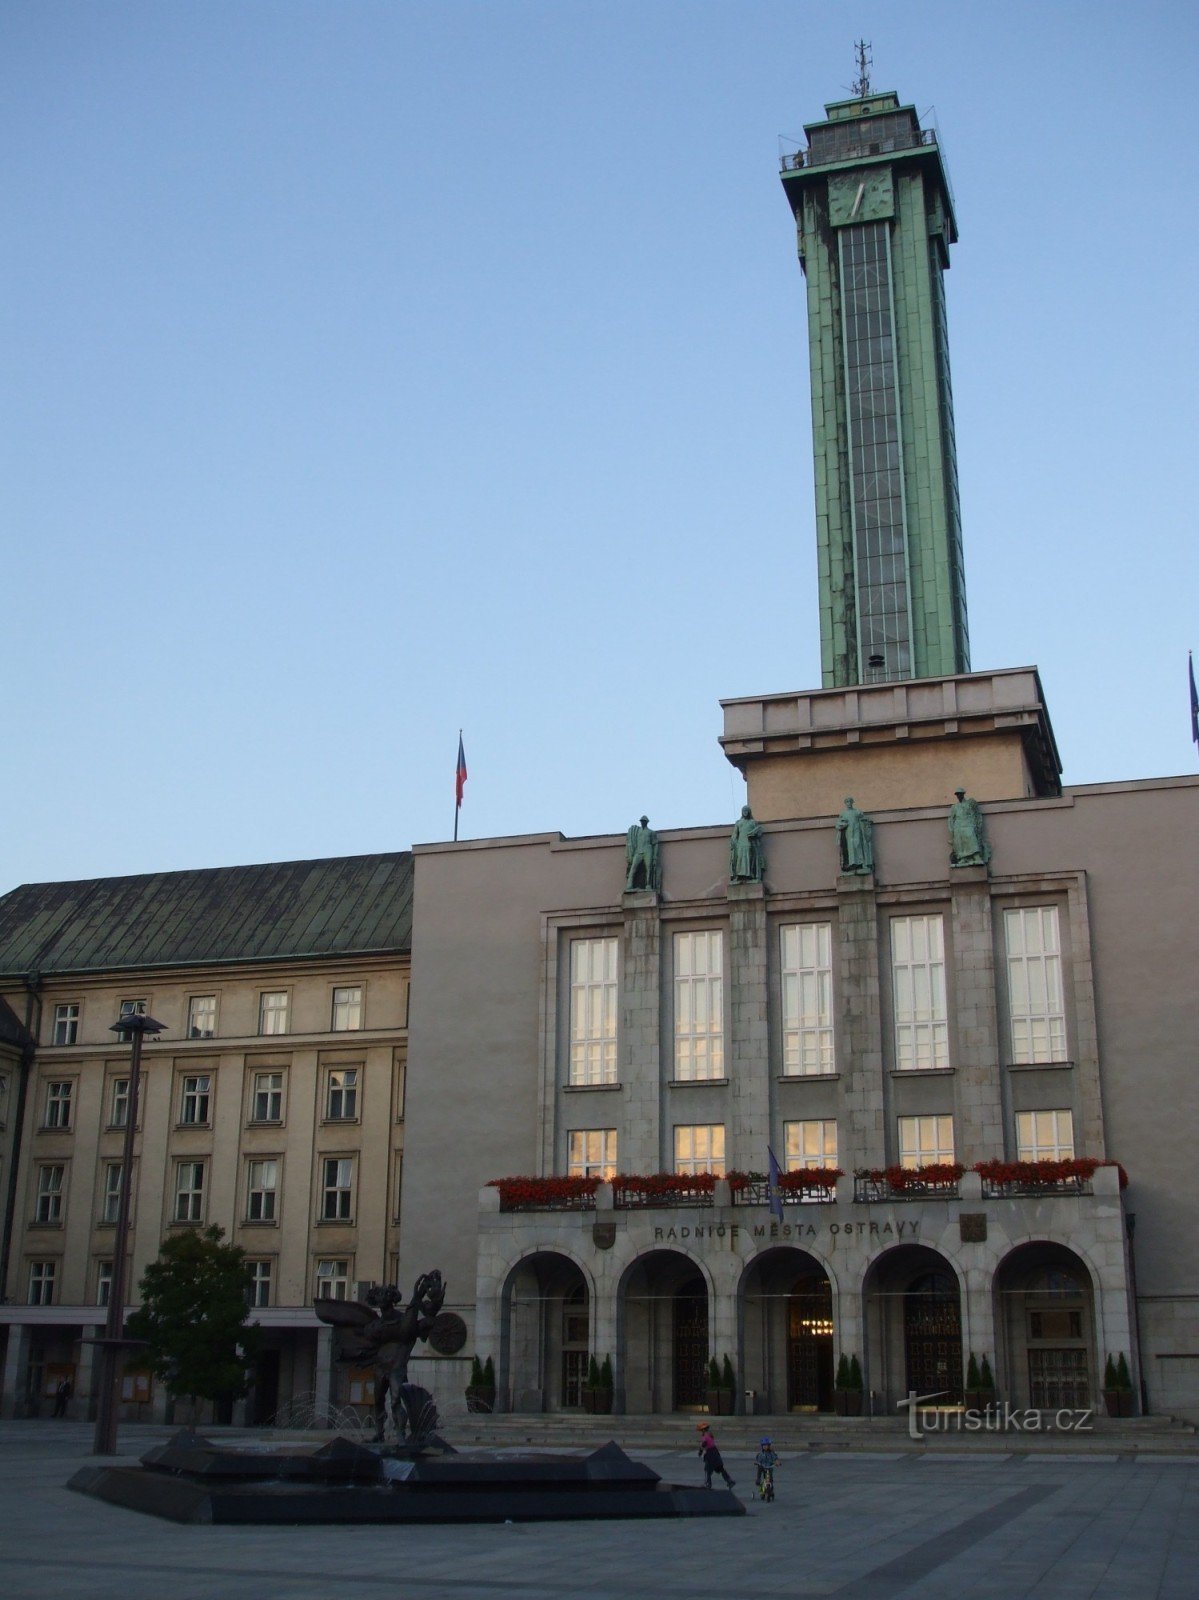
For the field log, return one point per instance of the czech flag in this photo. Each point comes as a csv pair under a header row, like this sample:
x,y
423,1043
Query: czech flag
x,y
460,774
774,1195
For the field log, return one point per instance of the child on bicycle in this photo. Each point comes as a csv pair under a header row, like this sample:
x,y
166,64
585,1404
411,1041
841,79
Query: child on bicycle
x,y
765,1462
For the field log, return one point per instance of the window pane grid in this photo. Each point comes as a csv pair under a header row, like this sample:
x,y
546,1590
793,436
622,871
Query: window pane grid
x,y
1034,965
593,1010
332,1280
262,1191
268,1097
698,1005
49,1193
810,1144
699,1147
924,1141
807,988
189,1191
1044,1136
337,1189
592,1153
918,985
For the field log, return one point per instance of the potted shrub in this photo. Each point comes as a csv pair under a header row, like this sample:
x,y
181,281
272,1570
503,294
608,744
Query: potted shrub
x,y
712,1388
591,1384
847,1390
986,1385
480,1391
603,1389
1117,1387
728,1388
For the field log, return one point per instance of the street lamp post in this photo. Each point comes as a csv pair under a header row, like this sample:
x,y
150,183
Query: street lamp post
x,y
114,1341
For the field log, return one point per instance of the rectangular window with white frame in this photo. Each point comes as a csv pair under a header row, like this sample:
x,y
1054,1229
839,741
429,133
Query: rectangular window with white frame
x,y
66,1023
194,1097
189,1191
59,1098
260,1274
1036,1005
118,1105
48,1206
699,1005
1044,1136
110,1198
333,1279
262,1190
918,987
591,1153
925,1141
131,1008
807,991
593,1010
103,1282
810,1144
272,1011
201,1016
341,1094
43,1277
267,1103
347,1009
699,1147
337,1189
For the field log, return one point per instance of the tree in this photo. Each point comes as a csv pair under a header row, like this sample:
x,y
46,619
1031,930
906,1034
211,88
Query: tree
x,y
194,1317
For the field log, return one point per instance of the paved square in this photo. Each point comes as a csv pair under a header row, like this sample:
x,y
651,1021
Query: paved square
x,y
852,1527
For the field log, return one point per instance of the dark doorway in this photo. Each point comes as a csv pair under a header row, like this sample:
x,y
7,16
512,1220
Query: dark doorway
x,y
810,1345
690,1343
932,1337
265,1402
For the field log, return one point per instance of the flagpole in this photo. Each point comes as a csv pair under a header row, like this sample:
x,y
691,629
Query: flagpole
x,y
457,797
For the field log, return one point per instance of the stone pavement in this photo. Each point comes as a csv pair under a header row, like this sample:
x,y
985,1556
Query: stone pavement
x,y
885,1525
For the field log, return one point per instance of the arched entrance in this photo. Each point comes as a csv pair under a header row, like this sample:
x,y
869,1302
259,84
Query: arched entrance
x,y
546,1322
1045,1322
913,1326
663,1326
787,1332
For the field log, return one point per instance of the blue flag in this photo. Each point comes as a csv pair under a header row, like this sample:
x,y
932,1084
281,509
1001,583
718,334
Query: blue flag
x,y
1194,698
774,1195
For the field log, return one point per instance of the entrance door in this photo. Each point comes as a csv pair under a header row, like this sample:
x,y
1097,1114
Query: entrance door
x,y
810,1346
266,1389
932,1336
574,1346
690,1343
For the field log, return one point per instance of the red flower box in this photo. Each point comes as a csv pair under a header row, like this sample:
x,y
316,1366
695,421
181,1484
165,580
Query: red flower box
x,y
530,1193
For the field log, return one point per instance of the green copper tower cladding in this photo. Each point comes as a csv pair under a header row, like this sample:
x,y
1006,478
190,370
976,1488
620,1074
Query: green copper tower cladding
x,y
873,209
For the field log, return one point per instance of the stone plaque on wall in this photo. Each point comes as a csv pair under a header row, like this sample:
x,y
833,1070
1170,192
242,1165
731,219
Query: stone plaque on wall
x,y
972,1225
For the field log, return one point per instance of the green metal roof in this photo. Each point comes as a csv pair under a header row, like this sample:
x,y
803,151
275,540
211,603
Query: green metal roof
x,y
347,905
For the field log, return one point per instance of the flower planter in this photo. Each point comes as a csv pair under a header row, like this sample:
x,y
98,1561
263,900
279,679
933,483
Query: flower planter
x,y
719,1402
847,1402
602,1402
1118,1402
479,1399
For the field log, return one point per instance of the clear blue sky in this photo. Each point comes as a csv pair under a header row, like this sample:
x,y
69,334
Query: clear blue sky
x,y
376,369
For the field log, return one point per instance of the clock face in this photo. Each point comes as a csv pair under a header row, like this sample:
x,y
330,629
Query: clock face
x,y
866,195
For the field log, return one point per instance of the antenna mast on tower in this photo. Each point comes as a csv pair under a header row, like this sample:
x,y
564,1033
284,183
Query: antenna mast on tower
x,y
861,86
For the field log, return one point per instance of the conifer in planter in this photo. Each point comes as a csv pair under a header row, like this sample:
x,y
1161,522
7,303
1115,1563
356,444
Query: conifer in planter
x,y
973,1395
591,1386
1117,1387
712,1388
986,1385
728,1388
480,1391
847,1391
603,1389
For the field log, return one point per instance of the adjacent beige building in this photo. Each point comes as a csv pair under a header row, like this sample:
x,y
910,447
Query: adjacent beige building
x,y
272,1104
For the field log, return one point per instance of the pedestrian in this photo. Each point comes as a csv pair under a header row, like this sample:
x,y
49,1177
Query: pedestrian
x,y
711,1458
765,1461
61,1395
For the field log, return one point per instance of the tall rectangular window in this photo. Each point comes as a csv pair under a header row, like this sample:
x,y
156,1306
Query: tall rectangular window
x,y
118,1114
807,981
49,1193
110,1199
267,1105
698,1005
189,1191
58,1104
272,1011
332,1280
924,1141
341,1094
1044,1136
810,1144
1034,976
201,1016
259,1274
337,1188
103,1282
42,1275
262,1189
194,1098
592,1153
66,1024
593,1010
699,1147
347,1009
918,980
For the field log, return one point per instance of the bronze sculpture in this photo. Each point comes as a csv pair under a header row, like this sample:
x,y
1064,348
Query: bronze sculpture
x,y
855,838
747,859
968,846
642,858
386,1334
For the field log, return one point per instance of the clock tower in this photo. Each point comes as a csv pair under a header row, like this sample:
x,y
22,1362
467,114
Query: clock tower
x,y
874,214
